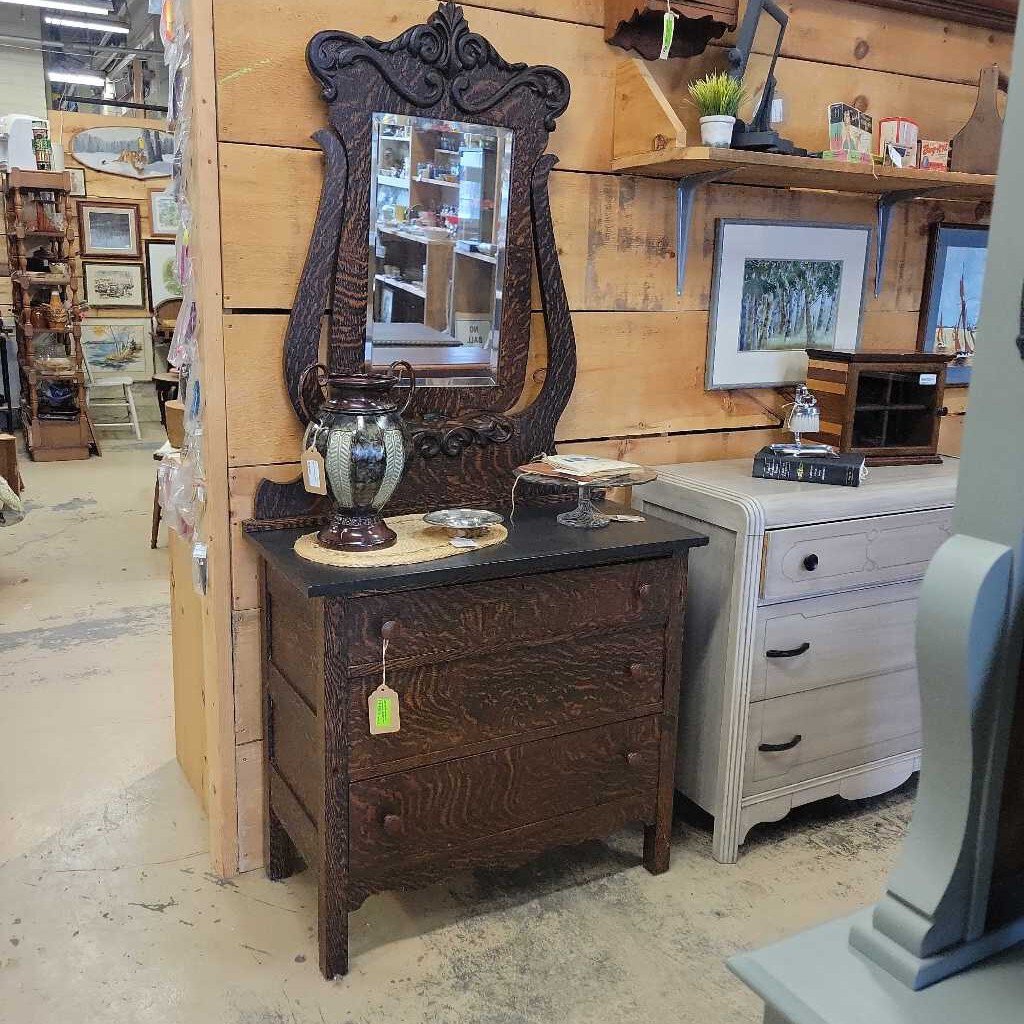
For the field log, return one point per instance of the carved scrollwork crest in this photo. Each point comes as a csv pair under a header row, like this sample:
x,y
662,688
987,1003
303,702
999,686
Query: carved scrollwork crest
x,y
448,50
452,438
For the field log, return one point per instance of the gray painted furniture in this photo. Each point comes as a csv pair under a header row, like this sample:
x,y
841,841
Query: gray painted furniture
x,y
800,624
815,978
946,941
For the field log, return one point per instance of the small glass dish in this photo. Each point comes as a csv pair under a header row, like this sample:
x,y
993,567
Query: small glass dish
x,y
464,522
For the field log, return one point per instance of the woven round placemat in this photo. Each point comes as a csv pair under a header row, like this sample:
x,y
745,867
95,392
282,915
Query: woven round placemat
x,y
417,542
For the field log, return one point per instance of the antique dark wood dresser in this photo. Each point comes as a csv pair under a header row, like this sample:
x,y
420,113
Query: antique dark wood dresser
x,y
537,680
538,684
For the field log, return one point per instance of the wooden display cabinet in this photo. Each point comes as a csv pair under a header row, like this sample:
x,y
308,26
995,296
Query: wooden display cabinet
x,y
885,406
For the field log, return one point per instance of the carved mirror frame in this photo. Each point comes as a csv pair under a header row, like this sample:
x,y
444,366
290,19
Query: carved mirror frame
x,y
466,441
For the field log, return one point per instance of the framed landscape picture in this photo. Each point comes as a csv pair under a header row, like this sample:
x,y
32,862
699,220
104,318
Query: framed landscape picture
x,y
114,284
162,266
779,289
109,229
119,348
952,296
130,152
164,215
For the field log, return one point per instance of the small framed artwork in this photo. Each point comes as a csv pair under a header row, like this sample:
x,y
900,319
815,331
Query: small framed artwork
x,y
109,229
119,348
779,289
77,181
164,216
114,284
162,267
954,279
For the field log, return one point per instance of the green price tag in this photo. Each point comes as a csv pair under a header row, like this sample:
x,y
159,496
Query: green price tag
x,y
668,31
384,712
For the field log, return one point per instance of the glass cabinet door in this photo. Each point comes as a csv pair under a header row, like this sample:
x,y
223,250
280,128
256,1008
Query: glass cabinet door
x,y
895,409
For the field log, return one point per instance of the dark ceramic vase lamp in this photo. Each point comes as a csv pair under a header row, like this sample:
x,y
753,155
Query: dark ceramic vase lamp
x,y
359,433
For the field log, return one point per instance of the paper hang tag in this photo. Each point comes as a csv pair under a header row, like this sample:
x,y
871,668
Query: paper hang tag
x,y
668,30
314,476
383,710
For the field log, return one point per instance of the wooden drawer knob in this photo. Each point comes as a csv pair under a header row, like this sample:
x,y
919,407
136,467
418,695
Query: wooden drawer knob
x,y
392,824
633,758
636,670
390,629
644,589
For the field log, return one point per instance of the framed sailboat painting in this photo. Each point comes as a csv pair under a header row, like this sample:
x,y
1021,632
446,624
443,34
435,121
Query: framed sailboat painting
x,y
952,296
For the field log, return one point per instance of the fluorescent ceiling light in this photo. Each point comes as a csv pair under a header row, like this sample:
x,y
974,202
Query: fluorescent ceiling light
x,y
74,79
98,26
78,6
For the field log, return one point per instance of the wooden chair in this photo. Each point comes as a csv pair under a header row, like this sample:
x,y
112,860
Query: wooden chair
x,y
165,316
126,401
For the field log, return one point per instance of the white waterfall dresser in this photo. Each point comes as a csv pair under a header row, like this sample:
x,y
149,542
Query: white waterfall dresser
x,y
800,678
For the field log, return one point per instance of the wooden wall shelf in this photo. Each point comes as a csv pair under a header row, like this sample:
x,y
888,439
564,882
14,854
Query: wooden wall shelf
x,y
771,170
649,138
997,14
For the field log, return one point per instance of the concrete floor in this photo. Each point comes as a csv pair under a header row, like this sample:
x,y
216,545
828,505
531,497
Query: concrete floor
x,y
109,912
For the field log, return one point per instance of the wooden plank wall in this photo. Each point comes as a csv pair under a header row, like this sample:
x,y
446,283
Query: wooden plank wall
x,y
641,347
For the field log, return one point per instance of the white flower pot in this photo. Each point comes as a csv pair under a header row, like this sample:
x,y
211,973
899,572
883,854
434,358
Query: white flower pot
x,y
717,130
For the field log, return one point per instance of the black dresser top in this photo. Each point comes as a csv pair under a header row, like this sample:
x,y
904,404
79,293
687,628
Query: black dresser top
x,y
536,543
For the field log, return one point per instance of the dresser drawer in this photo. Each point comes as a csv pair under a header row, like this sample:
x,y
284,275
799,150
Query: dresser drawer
x,y
806,560
434,810
448,705
802,645
435,625
839,727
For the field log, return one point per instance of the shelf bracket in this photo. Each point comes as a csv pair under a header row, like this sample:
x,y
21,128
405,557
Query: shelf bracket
x,y
686,190
887,202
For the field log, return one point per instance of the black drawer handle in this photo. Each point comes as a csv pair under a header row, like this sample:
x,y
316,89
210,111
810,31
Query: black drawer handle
x,y
795,653
811,563
776,748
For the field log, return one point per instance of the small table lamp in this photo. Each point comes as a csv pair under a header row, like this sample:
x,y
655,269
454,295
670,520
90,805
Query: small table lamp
x,y
803,418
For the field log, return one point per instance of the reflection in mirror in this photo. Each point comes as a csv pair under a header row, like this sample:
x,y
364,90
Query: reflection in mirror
x,y
760,64
438,222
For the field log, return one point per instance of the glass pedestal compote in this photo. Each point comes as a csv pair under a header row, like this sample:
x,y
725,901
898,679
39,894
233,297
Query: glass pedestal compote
x,y
586,515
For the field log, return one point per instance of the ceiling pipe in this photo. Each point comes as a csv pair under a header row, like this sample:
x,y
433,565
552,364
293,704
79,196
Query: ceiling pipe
x,y
82,48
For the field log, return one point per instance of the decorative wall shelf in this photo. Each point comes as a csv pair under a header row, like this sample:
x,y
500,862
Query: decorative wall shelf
x,y
650,139
636,25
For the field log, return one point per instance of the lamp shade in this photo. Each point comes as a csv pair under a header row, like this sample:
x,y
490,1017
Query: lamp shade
x,y
804,417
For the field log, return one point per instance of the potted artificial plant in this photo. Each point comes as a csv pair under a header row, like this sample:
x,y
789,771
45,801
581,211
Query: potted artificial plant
x,y
718,97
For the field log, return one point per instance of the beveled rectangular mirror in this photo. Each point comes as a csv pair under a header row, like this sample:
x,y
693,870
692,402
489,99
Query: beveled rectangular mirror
x,y
438,223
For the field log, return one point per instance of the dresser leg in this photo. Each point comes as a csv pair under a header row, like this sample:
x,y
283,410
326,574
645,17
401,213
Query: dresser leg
x,y
725,843
333,938
280,856
658,846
